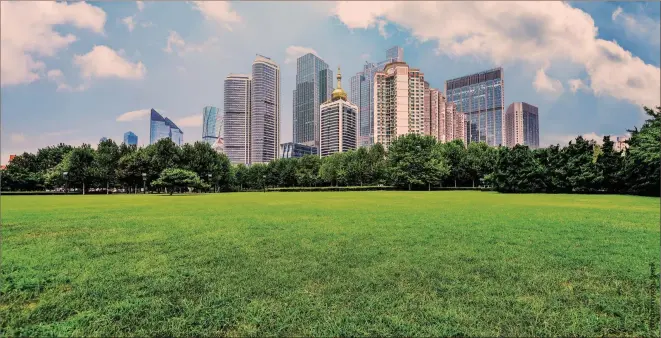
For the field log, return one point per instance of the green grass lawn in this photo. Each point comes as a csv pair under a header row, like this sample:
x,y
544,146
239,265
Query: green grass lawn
x,y
329,264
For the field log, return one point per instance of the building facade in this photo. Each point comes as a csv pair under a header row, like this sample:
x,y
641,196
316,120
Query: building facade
x,y
130,138
314,84
236,131
294,150
399,102
620,144
522,125
162,127
481,97
212,125
265,111
362,95
339,122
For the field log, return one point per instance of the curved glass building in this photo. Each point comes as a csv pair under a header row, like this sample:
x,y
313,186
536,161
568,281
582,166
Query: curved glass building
x,y
265,111
212,124
162,127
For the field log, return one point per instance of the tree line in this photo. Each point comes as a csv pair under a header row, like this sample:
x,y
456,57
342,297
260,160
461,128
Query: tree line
x,y
411,162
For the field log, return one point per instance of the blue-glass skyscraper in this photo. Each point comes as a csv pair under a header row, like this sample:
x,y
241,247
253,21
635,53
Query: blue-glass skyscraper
x,y
265,111
314,84
130,138
212,123
162,127
481,97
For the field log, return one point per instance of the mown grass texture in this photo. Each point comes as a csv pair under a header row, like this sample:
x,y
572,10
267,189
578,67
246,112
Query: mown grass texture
x,y
329,264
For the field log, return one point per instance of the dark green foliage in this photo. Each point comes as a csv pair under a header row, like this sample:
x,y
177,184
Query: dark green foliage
x,y
178,179
642,159
518,171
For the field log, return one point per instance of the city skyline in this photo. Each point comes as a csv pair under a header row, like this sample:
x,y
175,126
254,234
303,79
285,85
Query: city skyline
x,y
177,70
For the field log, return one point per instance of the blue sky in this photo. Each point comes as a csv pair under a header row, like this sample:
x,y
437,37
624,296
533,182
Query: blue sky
x,y
76,72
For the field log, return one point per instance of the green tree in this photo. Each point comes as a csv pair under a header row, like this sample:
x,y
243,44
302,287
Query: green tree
x,y
240,173
582,173
256,176
517,171
642,158
79,164
410,161
106,162
175,178
307,171
479,161
132,165
203,160
377,164
163,154
609,165
454,152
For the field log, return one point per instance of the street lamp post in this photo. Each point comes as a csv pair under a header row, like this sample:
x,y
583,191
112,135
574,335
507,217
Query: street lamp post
x,y
264,177
144,183
66,178
209,176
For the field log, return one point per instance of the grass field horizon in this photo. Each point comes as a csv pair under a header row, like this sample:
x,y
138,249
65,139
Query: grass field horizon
x,y
329,264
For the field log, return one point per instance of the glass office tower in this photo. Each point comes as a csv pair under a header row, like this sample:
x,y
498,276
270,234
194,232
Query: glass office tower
x,y
158,129
265,111
522,125
481,97
314,84
211,124
130,138
176,134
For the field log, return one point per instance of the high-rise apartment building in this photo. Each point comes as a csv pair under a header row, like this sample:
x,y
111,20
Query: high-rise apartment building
x,y
212,124
522,125
314,84
130,138
265,111
362,95
236,133
338,125
162,127
481,97
399,102
441,118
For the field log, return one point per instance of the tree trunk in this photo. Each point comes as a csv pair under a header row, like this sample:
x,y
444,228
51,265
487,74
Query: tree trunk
x,y
409,186
473,183
455,183
429,185
107,184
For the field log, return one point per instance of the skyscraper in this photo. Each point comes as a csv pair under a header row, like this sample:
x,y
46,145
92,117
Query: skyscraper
x,y
481,96
212,124
162,127
399,102
522,125
338,122
130,138
176,134
265,111
236,134
293,150
362,95
314,83
441,119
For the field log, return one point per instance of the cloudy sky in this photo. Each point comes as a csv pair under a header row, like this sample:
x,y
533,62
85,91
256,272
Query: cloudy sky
x,y
76,72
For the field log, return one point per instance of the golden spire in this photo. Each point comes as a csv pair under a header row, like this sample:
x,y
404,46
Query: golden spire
x,y
339,93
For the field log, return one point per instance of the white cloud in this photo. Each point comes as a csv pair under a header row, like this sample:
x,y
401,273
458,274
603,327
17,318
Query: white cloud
x,y
17,138
183,47
147,24
640,27
576,85
218,11
190,121
104,62
56,76
129,22
381,24
543,83
365,56
564,139
27,34
140,4
294,52
135,115
524,31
